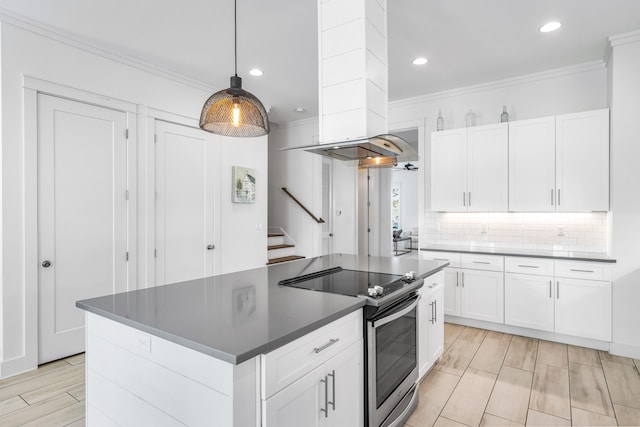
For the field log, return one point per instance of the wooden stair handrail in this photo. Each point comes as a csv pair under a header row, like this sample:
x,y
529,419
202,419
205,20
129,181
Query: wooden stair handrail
x,y
315,218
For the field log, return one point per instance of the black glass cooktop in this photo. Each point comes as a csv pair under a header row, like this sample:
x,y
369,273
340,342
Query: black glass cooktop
x,y
348,282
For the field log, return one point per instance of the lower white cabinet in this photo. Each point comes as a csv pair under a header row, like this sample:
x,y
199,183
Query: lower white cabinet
x,y
529,301
431,322
482,295
452,291
583,308
329,395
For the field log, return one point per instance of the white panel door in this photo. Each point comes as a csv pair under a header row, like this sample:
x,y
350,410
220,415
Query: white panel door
x,y
532,165
451,303
82,216
184,203
583,308
529,301
488,164
449,170
582,161
482,295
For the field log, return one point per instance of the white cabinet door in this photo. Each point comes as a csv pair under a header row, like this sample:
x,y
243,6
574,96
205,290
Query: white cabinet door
x,y
449,170
345,374
583,308
451,304
532,160
298,404
582,161
482,295
487,148
529,301
436,325
430,322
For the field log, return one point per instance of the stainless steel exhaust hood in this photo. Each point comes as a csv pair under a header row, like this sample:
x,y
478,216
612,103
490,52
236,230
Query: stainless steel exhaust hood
x,y
377,146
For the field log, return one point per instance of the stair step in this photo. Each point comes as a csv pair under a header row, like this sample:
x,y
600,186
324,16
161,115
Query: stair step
x,y
284,259
275,235
279,246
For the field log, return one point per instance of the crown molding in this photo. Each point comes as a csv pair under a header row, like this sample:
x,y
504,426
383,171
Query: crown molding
x,y
498,84
310,121
618,39
31,25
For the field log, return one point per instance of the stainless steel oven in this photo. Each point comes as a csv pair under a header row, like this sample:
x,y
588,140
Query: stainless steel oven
x,y
392,362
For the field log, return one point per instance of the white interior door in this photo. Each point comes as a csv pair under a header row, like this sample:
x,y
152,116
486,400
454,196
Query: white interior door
x,y
184,204
82,216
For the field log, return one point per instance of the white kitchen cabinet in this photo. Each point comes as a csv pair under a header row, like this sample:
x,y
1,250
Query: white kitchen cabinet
x,y
431,322
532,160
529,301
583,308
482,295
469,169
451,304
329,395
582,161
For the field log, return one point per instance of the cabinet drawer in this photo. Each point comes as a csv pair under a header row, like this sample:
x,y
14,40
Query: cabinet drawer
x,y
482,262
286,364
584,270
537,266
452,257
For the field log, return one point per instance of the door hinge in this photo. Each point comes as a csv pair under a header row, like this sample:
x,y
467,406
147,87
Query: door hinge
x,y
368,230
126,133
127,256
126,194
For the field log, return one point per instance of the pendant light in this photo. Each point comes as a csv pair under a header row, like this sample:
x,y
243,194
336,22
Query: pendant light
x,y
234,111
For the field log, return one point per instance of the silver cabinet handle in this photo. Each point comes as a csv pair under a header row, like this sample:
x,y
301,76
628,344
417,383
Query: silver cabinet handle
x,y
457,279
558,197
552,197
528,266
582,271
440,259
333,386
550,289
464,199
327,345
210,247
435,309
558,290
431,305
463,279
480,262
469,198
326,397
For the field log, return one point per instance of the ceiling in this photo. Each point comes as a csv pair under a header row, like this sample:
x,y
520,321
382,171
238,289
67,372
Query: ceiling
x,y
467,42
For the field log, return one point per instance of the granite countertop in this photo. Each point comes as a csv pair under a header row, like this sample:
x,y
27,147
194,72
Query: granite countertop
x,y
531,253
237,316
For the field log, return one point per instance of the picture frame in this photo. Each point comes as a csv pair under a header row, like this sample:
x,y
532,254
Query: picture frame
x,y
243,181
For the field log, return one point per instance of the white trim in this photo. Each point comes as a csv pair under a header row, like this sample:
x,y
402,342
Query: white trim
x,y
309,121
618,39
166,116
626,350
52,33
532,333
514,81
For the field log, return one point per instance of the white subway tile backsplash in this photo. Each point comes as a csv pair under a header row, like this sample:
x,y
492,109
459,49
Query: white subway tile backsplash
x,y
560,231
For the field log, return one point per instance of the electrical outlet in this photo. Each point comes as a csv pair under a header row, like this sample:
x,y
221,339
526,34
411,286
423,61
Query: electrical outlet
x,y
561,232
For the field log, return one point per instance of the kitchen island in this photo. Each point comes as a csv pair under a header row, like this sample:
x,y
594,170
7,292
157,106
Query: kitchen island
x,y
214,351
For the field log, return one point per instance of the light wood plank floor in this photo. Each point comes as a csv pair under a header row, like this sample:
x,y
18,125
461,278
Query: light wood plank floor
x,y
487,378
483,379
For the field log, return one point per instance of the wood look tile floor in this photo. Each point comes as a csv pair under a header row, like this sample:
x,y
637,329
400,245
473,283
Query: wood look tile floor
x,y
483,379
491,379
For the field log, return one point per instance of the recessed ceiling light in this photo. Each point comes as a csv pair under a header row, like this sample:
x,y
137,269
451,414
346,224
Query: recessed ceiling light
x,y
300,110
420,61
256,72
550,26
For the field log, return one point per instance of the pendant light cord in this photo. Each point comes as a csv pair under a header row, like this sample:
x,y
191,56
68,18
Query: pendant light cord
x,y
235,34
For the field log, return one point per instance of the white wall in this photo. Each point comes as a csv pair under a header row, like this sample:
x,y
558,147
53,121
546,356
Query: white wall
x,y
624,82
30,51
408,181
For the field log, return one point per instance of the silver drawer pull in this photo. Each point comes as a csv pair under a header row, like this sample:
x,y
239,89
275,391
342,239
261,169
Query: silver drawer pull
x,y
481,262
583,271
440,259
528,266
327,345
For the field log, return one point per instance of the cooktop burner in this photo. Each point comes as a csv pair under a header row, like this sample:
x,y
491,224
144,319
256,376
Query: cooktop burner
x,y
350,282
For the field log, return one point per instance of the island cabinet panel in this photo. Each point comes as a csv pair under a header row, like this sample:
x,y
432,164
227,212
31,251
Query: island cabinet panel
x,y
286,364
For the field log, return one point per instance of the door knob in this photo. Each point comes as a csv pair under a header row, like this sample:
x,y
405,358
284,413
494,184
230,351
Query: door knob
x,y
210,247
46,264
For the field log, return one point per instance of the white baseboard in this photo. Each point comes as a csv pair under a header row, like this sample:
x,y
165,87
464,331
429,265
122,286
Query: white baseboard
x,y
625,350
16,366
531,333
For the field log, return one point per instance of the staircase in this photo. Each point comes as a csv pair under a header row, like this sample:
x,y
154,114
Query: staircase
x,y
279,250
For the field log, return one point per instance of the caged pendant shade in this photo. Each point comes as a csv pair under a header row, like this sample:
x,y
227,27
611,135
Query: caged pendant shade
x,y
234,111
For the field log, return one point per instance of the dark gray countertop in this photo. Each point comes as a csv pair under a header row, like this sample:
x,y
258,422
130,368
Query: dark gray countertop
x,y
237,316
530,253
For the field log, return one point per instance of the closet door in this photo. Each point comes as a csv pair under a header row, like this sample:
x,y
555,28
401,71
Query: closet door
x,y
82,216
184,203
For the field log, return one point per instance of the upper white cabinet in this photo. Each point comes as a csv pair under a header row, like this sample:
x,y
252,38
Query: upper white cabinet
x,y
470,169
582,161
532,165
560,163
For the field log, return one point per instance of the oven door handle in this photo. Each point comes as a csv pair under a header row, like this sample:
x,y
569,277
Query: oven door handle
x,y
391,317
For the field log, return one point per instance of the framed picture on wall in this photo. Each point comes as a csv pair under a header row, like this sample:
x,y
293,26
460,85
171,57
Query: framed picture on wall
x,y
244,185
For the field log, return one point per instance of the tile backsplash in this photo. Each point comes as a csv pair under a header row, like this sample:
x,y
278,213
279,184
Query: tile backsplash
x,y
583,232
